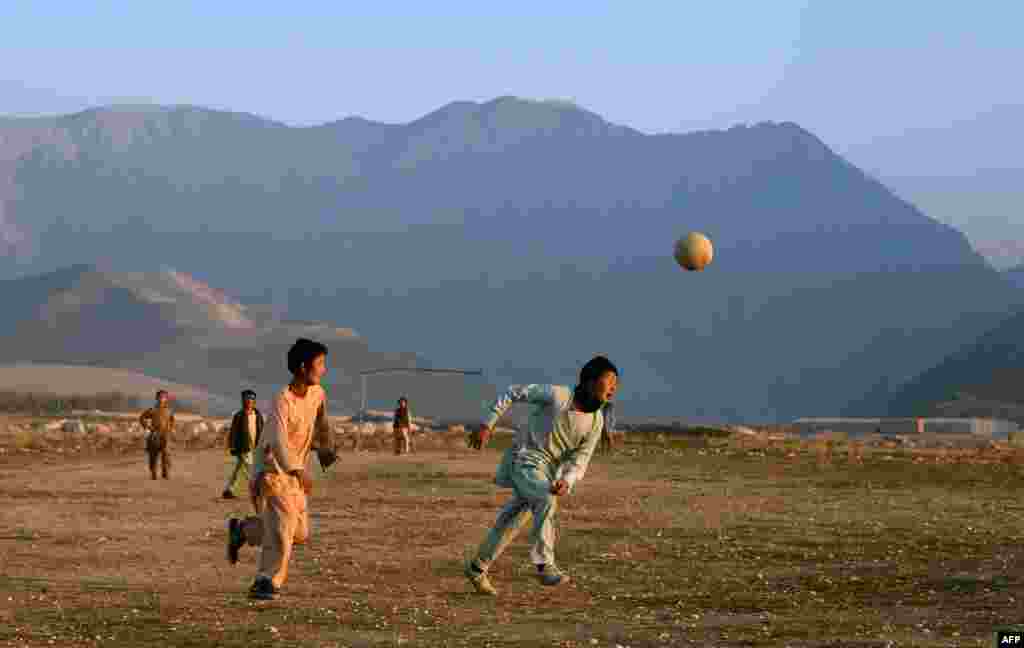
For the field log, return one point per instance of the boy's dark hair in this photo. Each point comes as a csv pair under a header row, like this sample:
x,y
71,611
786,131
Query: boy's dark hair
x,y
248,394
304,351
596,368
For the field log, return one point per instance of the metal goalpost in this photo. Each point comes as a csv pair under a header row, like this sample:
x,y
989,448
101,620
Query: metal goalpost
x,y
363,375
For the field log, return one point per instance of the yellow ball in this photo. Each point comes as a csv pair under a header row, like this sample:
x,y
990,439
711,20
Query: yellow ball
x,y
694,251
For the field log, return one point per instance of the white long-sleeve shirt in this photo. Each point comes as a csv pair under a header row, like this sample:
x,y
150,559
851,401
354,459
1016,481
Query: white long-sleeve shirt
x,y
557,437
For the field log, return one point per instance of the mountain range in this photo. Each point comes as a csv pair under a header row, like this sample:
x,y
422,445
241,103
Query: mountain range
x,y
521,237
170,325
1015,275
981,378
983,375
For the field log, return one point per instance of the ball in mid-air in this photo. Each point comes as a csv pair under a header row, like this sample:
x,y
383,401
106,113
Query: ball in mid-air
x,y
694,251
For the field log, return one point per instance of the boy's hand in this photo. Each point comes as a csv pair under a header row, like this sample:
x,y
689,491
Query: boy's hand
x,y
559,488
326,457
479,438
305,480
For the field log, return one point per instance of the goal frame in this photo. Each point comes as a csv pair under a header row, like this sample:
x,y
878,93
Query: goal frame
x,y
363,375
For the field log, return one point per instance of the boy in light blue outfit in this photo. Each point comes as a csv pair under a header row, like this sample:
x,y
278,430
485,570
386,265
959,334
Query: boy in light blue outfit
x,y
545,462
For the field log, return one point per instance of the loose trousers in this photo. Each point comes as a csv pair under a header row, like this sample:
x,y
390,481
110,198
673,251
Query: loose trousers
x,y
282,523
159,454
403,440
241,474
532,497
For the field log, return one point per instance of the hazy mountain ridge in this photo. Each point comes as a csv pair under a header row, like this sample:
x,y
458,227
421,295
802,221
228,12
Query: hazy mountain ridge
x,y
1015,275
71,380
170,326
988,370
502,220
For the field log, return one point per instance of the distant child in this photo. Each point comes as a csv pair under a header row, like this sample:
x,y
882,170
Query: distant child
x,y
244,437
158,421
403,427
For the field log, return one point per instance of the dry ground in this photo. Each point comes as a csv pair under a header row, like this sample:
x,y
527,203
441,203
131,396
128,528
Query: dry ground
x,y
701,542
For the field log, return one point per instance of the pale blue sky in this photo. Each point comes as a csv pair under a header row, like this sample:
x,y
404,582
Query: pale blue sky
x,y
909,88
848,69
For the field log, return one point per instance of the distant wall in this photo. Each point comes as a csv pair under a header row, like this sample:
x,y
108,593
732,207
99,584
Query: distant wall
x,y
901,426
18,402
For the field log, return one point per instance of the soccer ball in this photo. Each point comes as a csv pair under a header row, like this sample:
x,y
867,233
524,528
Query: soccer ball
x,y
693,252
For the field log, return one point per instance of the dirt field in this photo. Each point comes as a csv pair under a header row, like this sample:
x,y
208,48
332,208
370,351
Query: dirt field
x,y
705,543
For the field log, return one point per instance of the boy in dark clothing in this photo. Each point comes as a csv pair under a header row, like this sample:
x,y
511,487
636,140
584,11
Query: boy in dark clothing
x,y
245,435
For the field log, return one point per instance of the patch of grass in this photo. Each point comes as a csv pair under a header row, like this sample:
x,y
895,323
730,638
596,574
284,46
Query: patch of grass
x,y
407,472
22,439
37,625
107,584
427,479
144,600
23,584
971,585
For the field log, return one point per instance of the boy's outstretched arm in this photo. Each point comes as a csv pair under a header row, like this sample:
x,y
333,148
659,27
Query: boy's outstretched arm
x,y
535,393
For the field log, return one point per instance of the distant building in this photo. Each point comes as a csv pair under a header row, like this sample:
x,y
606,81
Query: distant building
x,y
986,427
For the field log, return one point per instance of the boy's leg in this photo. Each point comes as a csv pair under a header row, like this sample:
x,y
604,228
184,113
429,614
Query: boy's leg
x,y
239,476
232,485
152,462
281,519
244,471
165,455
533,485
512,517
301,528
256,496
542,536
252,530
248,530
